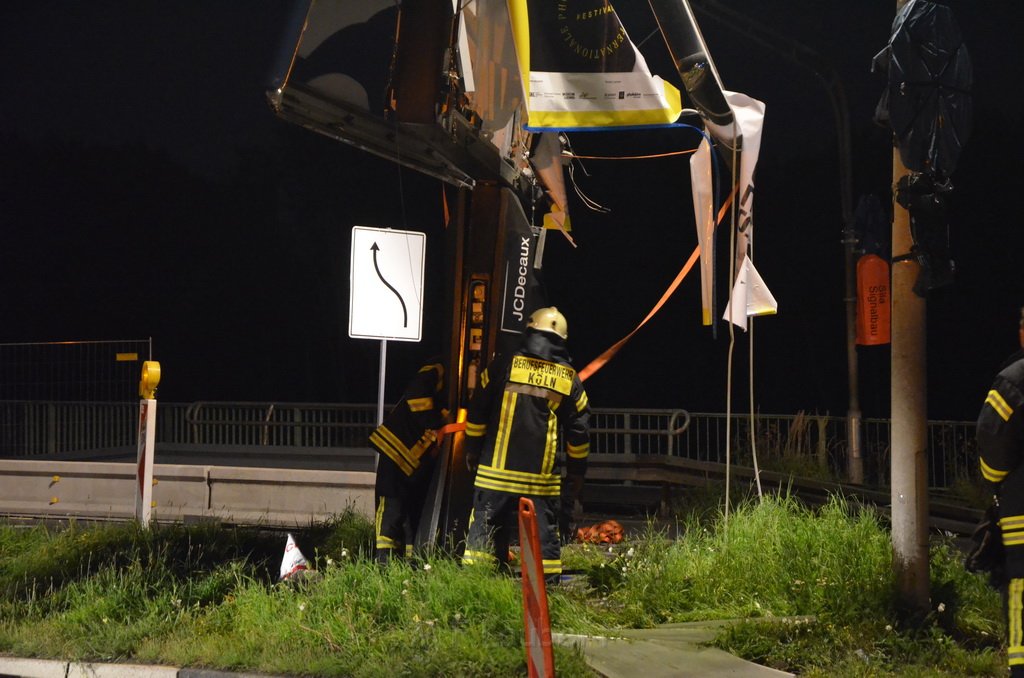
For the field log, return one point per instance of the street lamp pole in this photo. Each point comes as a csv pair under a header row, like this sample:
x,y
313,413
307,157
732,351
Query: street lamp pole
x,y
909,418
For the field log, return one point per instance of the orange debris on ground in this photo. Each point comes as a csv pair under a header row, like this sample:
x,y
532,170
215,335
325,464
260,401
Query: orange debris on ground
x,y
607,532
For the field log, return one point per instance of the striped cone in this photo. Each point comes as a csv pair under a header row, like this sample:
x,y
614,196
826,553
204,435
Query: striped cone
x,y
294,564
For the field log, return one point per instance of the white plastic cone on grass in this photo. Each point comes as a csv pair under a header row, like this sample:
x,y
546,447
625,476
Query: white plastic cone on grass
x,y
294,563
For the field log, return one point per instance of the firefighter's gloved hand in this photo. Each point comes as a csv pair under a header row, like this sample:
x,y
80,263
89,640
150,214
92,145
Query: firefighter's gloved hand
x,y
574,482
575,487
472,450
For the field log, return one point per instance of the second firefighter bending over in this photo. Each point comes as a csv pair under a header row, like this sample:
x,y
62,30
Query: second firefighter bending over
x,y
406,441
512,441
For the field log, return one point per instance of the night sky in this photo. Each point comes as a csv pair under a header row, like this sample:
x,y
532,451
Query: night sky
x,y
148,190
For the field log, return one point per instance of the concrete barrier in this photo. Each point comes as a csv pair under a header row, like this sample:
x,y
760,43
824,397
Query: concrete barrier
x,y
258,496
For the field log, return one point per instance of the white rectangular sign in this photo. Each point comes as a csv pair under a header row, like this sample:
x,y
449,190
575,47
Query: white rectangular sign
x,y
386,284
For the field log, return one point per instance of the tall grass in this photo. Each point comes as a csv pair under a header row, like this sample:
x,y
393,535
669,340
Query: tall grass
x,y
816,590
206,596
813,589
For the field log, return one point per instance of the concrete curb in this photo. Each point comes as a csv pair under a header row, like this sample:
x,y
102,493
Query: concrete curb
x,y
15,667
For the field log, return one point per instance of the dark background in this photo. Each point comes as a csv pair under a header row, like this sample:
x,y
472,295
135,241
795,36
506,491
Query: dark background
x,y
148,190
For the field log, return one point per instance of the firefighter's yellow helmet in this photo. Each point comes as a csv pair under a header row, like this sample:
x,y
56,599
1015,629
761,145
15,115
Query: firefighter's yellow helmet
x,y
549,319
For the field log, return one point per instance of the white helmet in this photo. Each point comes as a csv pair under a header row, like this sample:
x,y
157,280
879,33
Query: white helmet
x,y
549,319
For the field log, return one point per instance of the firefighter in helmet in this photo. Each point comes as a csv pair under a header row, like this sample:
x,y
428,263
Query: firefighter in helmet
x,y
1000,434
512,441
406,441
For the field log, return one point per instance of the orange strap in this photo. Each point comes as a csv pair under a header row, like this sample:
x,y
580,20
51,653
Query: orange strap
x,y
601,360
454,427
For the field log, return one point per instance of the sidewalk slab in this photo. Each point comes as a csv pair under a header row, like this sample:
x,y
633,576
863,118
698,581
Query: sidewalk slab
x,y
669,651
32,668
19,667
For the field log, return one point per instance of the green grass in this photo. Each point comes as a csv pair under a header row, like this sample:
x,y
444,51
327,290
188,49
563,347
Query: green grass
x,y
813,589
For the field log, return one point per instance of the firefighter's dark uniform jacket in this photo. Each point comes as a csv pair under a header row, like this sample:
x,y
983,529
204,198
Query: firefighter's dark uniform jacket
x,y
1000,433
1001,451
404,440
410,428
512,428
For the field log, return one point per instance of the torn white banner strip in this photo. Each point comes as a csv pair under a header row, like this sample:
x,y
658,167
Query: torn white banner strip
x,y
701,186
749,114
750,296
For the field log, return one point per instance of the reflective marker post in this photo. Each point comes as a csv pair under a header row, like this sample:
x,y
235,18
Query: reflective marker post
x,y
147,441
540,660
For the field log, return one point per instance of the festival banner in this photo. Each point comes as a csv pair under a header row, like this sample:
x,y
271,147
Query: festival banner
x,y
580,70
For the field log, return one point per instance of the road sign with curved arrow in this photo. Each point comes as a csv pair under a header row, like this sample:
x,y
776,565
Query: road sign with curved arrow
x,y
386,284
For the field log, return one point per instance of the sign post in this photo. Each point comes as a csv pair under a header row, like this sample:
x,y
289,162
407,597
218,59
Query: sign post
x,y
147,442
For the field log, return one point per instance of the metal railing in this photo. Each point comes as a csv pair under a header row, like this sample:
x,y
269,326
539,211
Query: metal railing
x,y
818,444
32,428
802,443
287,424
637,431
